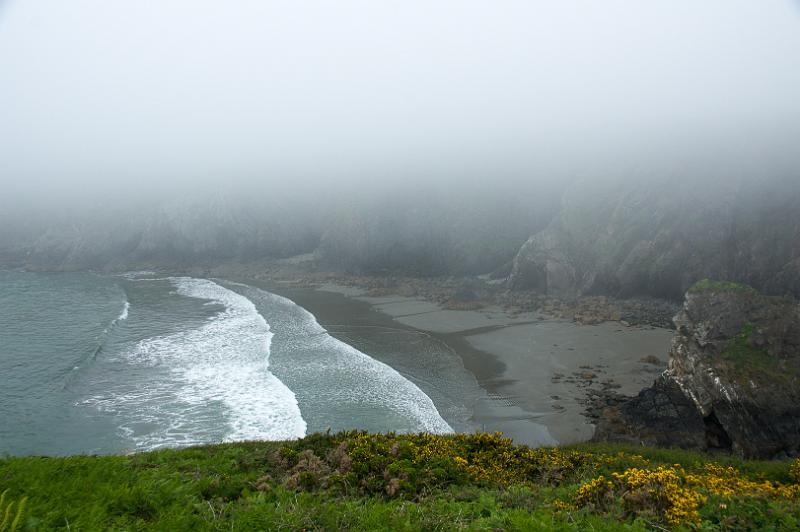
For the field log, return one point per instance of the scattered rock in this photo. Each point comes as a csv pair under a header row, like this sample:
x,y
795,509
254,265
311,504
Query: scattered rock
x,y
651,359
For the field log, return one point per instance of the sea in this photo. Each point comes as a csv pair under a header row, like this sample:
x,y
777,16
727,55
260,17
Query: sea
x,y
107,364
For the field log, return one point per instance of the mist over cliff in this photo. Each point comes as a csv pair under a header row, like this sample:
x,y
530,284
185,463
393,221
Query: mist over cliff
x,y
623,148
659,238
623,237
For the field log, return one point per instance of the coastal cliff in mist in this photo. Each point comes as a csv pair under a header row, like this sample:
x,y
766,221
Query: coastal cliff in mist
x,y
449,232
420,232
612,237
170,233
733,381
658,238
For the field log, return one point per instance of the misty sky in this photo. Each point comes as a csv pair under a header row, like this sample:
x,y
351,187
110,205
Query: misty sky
x,y
178,91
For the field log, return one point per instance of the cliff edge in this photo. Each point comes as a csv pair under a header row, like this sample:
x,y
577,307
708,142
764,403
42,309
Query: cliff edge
x,y
733,380
658,238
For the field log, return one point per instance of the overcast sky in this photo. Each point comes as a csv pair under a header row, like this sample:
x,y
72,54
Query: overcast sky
x,y
153,92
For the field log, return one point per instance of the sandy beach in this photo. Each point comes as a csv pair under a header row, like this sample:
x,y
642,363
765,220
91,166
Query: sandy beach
x,y
485,369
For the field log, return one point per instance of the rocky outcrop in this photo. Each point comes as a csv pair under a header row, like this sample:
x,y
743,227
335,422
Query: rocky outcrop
x,y
409,231
660,416
733,380
458,231
174,232
658,238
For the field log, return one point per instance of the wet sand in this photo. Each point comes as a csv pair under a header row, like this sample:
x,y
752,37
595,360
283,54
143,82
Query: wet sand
x,y
485,369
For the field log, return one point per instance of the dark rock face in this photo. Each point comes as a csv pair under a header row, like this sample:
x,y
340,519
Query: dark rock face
x,y
657,239
733,380
659,416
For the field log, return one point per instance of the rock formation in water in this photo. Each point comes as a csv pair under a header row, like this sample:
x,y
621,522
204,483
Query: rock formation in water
x,y
733,380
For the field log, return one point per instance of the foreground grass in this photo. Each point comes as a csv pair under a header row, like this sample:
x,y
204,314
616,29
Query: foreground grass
x,y
418,482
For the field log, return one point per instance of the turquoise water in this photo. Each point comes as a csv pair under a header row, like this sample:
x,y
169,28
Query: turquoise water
x,y
109,364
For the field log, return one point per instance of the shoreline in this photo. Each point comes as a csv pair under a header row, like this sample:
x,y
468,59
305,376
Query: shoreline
x,y
490,367
523,374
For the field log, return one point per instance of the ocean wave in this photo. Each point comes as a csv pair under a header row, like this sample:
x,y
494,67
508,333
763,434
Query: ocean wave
x,y
124,314
102,339
345,375
215,373
135,275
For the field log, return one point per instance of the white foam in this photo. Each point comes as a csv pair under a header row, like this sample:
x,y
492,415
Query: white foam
x,y
124,314
217,373
360,379
136,274
383,383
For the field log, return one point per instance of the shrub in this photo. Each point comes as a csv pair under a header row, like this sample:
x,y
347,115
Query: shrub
x,y
409,465
660,493
674,497
309,473
728,482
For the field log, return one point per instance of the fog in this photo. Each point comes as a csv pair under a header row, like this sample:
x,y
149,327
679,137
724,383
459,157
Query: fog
x,y
308,112
126,95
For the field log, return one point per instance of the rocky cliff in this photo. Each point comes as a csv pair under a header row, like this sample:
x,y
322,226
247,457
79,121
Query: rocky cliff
x,y
458,231
619,238
173,232
733,380
657,238
444,232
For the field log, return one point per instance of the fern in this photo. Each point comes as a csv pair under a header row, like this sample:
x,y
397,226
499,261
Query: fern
x,y
12,519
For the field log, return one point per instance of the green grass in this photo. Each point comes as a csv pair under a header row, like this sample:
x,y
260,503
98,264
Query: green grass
x,y
741,352
708,285
269,486
745,362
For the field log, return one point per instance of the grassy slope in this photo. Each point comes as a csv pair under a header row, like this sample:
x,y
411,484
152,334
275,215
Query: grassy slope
x,y
256,485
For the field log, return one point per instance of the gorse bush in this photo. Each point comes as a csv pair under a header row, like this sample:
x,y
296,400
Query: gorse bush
x,y
11,513
794,471
673,496
361,481
410,465
661,494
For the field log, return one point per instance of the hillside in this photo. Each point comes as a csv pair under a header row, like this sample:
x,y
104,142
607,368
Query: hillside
x,y
658,237
614,237
359,481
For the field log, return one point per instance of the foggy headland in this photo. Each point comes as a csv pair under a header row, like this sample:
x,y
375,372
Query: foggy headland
x,y
337,245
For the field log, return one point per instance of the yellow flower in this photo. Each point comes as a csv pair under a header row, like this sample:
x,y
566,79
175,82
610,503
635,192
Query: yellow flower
x,y
794,470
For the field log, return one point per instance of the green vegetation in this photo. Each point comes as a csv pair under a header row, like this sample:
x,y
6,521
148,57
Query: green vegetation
x,y
741,352
11,517
360,481
708,285
746,362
